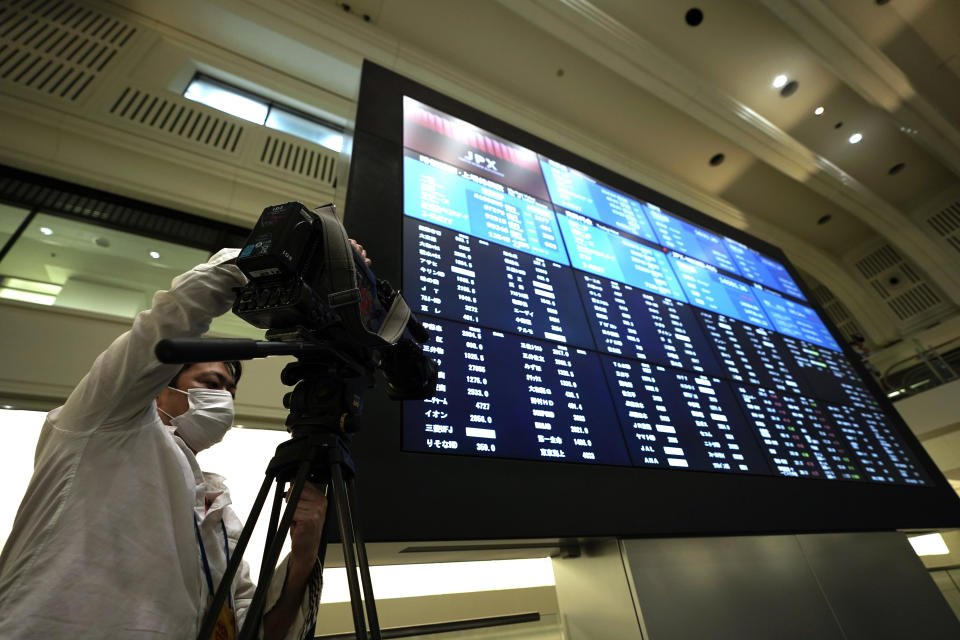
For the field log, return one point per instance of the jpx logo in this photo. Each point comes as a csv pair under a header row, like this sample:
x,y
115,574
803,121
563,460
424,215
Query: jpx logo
x,y
480,160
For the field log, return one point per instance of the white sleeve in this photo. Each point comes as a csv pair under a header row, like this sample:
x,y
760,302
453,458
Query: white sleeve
x,y
304,625
126,377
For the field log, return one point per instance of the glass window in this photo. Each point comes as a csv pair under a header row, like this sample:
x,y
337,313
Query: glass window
x,y
260,110
10,219
227,99
306,128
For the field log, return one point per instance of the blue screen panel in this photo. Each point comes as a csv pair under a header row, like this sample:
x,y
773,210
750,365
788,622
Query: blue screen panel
x,y
576,192
444,195
690,240
794,319
708,289
759,268
604,252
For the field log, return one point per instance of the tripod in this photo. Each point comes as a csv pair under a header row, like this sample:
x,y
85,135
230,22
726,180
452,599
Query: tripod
x,y
324,406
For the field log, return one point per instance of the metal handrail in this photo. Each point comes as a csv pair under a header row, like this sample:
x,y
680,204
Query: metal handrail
x,y
919,358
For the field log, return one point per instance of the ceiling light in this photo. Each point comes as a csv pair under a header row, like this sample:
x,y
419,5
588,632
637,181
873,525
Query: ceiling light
x,y
818,111
26,296
779,81
154,255
855,138
47,231
931,544
31,285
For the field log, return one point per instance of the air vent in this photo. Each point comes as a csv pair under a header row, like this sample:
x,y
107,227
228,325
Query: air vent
x,y
901,286
57,47
173,115
946,224
879,261
914,301
301,159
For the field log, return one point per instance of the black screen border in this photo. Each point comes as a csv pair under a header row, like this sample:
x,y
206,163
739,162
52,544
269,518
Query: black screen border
x,y
425,497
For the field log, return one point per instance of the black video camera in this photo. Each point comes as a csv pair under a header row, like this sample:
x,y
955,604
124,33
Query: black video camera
x,y
307,283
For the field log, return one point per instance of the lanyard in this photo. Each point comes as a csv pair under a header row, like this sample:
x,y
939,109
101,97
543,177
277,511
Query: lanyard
x,y
203,555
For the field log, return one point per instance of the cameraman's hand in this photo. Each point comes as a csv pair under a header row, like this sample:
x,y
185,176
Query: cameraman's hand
x,y
306,529
360,250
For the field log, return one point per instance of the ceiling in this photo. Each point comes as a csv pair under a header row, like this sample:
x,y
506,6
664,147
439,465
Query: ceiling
x,y
632,85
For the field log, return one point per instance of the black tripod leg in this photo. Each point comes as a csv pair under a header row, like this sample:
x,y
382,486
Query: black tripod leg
x,y
368,599
251,623
223,590
341,502
272,527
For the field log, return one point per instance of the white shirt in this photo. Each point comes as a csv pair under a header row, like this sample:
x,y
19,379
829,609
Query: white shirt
x,y
104,544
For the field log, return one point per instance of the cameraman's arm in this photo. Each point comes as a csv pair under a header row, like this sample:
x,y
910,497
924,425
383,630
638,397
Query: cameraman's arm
x,y
126,377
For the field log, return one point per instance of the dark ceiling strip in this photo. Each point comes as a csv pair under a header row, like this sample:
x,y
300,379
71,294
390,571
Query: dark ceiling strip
x,y
34,191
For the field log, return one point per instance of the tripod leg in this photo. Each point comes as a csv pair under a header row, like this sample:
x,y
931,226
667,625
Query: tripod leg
x,y
368,599
223,590
274,521
341,502
251,623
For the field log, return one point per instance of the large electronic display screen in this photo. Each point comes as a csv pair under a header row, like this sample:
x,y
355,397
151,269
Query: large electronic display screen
x,y
589,331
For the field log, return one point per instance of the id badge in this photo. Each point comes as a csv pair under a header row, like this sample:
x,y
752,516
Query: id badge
x,y
226,627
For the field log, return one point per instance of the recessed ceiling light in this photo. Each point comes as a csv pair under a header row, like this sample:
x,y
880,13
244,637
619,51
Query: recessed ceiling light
x,y
717,160
818,111
779,81
47,231
897,168
825,219
154,255
694,17
931,544
855,138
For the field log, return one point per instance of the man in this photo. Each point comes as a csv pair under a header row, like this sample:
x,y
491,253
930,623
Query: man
x,y
120,535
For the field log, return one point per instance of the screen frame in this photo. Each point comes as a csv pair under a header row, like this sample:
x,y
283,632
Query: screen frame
x,y
430,496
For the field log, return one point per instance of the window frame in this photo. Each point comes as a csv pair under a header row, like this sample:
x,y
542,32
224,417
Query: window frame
x,y
270,104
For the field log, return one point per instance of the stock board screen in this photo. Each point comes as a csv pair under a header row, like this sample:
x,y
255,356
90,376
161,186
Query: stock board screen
x,y
575,323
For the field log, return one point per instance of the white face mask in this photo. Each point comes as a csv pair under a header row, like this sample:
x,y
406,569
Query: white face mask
x,y
207,420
